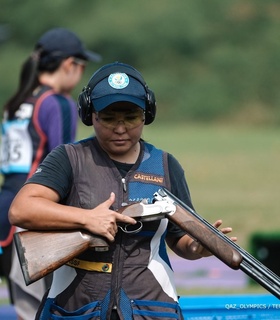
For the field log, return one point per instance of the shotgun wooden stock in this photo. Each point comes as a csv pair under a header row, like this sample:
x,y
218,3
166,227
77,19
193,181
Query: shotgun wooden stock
x,y
41,252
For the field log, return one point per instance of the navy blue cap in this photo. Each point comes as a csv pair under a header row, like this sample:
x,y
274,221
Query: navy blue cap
x,y
118,87
63,42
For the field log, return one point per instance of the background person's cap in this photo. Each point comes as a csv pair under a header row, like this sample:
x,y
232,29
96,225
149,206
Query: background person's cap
x,y
118,87
63,42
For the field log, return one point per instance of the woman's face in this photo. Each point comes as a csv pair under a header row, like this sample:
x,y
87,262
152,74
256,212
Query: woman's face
x,y
74,69
118,129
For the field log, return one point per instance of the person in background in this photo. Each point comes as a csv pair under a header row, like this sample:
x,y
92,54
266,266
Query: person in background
x,y
82,186
38,117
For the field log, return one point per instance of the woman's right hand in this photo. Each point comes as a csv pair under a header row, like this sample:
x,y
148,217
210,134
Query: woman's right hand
x,y
103,221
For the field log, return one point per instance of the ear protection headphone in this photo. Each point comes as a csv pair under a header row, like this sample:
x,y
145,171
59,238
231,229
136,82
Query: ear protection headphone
x,y
86,106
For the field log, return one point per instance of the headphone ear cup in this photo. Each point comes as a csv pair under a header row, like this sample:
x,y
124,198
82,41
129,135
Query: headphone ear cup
x,y
150,111
84,107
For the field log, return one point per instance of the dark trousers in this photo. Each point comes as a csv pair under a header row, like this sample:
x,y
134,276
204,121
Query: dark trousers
x,y
5,267
6,198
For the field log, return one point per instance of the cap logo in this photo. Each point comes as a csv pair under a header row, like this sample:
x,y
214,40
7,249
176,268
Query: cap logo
x,y
118,80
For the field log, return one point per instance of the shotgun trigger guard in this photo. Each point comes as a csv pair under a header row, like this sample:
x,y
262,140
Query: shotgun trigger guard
x,y
150,212
134,228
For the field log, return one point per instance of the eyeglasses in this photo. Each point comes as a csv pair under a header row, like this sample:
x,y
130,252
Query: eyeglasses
x,y
80,62
111,120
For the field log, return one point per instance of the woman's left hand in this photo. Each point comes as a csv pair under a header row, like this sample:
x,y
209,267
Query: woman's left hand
x,y
197,247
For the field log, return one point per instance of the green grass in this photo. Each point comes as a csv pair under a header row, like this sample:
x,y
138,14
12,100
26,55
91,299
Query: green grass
x,y
6,300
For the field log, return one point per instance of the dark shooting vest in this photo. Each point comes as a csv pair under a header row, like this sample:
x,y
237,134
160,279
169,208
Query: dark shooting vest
x,y
140,284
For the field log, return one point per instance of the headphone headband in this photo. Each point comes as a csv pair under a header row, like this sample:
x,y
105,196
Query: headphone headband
x,y
103,73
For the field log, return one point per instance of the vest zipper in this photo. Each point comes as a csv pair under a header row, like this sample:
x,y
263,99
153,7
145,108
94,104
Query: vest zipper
x,y
124,184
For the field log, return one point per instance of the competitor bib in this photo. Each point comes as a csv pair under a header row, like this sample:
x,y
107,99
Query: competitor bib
x,y
16,146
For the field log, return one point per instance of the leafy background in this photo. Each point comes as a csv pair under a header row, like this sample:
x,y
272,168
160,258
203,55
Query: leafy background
x,y
207,61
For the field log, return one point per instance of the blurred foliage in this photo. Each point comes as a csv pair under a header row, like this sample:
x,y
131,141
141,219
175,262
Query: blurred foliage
x,y
206,60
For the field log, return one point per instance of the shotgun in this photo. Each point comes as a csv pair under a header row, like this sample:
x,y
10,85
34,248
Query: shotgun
x,y
41,252
219,244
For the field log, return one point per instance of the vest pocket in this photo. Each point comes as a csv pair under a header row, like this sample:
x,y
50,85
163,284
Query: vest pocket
x,y
90,311
146,309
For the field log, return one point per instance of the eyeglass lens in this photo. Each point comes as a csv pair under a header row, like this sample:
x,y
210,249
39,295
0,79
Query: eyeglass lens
x,y
130,120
